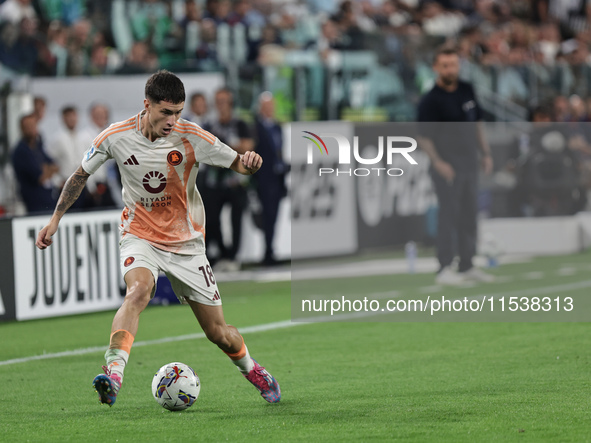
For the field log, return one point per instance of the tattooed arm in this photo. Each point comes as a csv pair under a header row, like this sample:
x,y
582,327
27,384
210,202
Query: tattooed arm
x,y
70,193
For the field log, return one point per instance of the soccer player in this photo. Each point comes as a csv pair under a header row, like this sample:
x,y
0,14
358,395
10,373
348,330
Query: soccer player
x,y
162,224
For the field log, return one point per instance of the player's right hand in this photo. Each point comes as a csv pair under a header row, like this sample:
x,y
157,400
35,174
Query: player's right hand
x,y
44,237
445,170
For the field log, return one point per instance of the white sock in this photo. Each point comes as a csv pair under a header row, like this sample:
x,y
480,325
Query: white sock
x,y
116,361
245,364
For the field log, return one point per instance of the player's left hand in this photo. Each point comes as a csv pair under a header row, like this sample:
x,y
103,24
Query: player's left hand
x,y
251,161
487,164
44,237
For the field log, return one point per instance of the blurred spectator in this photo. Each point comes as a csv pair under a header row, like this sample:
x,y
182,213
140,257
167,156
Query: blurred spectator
x,y
198,109
323,6
548,42
99,120
510,82
67,148
210,8
572,15
245,13
207,50
331,38
289,34
218,11
588,104
518,201
364,16
192,13
439,22
103,58
578,109
66,11
561,109
79,45
105,184
347,22
522,50
9,53
151,23
545,164
29,44
18,47
222,187
34,169
579,131
139,60
57,41
269,37
14,11
500,36
391,15
99,61
550,173
39,108
270,179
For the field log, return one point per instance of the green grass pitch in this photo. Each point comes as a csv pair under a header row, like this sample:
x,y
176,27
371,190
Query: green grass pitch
x,y
340,381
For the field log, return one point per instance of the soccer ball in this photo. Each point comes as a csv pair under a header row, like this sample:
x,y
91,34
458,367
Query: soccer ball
x,y
175,386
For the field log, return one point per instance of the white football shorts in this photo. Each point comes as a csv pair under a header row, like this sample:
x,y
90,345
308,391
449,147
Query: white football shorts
x,y
191,276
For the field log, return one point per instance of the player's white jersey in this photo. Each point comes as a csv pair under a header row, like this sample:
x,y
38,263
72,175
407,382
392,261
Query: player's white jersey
x,y
162,204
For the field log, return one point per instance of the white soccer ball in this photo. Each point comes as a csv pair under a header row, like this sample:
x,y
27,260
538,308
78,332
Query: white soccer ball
x,y
175,386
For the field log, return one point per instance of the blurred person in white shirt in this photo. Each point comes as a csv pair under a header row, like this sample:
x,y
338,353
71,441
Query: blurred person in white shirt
x,y
67,148
105,184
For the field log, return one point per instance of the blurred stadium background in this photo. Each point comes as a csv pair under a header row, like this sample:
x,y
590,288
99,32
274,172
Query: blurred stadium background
x,y
353,64
358,62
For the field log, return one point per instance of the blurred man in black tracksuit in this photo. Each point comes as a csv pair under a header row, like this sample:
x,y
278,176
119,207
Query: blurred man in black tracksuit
x,y
453,149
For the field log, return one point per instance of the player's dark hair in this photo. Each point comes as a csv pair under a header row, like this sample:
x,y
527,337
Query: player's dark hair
x,y
68,109
444,50
165,86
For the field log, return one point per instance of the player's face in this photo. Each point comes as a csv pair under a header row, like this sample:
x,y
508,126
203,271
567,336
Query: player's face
x,y
447,67
162,117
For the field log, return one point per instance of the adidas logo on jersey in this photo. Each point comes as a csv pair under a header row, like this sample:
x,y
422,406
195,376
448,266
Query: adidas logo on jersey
x,y
131,161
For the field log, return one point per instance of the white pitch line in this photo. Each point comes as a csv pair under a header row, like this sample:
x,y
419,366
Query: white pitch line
x,y
83,351
535,275
566,271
